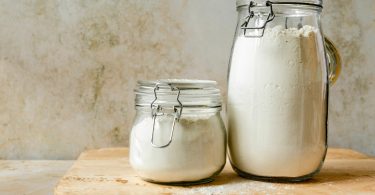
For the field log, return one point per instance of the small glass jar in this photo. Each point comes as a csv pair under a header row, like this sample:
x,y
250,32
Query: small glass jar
x,y
178,136
278,83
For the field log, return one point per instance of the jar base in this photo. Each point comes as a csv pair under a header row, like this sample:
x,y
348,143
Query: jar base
x,y
188,183
276,179
181,183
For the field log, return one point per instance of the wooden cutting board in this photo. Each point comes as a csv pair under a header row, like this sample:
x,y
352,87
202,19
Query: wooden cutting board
x,y
107,171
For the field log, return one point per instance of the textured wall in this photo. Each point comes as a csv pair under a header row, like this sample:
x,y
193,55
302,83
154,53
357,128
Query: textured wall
x,y
351,25
68,68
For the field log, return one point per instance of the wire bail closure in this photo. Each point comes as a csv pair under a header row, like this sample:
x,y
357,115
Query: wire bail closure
x,y
158,110
270,17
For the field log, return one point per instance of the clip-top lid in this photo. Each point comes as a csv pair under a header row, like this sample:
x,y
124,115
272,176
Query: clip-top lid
x,y
191,93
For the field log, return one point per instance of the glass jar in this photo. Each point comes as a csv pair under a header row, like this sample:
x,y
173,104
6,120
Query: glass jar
x,y
178,136
278,82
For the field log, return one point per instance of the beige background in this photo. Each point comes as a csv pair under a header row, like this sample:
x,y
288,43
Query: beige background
x,y
68,68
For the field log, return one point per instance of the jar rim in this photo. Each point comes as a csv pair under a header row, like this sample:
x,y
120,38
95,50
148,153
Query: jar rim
x,y
180,83
316,3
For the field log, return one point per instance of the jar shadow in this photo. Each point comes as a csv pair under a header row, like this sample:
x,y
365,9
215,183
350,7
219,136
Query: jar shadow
x,y
333,172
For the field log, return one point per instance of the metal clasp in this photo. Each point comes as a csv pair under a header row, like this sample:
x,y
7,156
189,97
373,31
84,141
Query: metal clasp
x,y
158,110
270,17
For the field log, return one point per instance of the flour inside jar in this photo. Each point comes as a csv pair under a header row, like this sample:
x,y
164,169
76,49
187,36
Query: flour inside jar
x,y
275,93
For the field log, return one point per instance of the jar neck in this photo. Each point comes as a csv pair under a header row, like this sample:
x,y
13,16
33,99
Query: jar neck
x,y
186,111
253,20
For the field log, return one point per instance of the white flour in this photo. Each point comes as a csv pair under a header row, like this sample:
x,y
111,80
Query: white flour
x,y
276,103
196,152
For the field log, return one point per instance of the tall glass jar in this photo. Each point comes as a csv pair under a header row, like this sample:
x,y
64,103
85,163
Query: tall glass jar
x,y
178,136
278,84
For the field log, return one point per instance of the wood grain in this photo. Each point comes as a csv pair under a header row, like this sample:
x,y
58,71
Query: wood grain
x,y
107,171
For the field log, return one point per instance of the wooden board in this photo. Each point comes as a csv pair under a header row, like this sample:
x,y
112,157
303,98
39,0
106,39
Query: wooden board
x,y
107,171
